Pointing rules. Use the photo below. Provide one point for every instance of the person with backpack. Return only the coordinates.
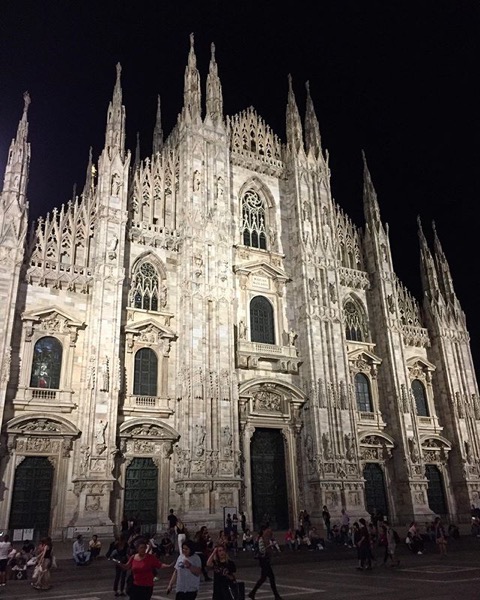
(261, 551)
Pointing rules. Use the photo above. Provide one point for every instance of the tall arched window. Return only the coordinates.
(420, 396)
(261, 321)
(362, 393)
(47, 364)
(145, 287)
(354, 323)
(145, 375)
(253, 220)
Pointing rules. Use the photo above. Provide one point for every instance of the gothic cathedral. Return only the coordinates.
(206, 329)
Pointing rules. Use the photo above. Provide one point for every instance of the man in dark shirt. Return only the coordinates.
(365, 553)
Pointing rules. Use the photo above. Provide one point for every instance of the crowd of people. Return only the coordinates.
(138, 555)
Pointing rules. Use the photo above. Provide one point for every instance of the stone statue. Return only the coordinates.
(292, 336)
(242, 330)
(116, 184)
(112, 248)
(105, 375)
(100, 436)
(85, 452)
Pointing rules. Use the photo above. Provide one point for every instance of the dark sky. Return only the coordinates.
(397, 78)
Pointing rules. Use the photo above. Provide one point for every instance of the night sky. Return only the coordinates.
(396, 78)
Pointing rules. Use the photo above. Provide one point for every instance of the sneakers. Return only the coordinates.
(251, 595)
(419, 552)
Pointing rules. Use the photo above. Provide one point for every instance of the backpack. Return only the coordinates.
(396, 537)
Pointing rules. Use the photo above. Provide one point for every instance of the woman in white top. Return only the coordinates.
(5, 549)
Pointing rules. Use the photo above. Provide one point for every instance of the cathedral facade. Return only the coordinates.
(206, 330)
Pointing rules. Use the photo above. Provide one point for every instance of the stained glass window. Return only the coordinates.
(145, 373)
(145, 287)
(418, 391)
(253, 220)
(261, 321)
(362, 393)
(47, 364)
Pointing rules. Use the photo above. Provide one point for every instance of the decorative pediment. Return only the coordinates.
(52, 317)
(40, 434)
(149, 331)
(435, 449)
(51, 320)
(262, 269)
(147, 437)
(375, 446)
(363, 360)
(419, 368)
(148, 428)
(38, 424)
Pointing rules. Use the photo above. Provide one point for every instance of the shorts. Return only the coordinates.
(3, 565)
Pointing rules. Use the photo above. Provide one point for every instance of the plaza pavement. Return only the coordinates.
(303, 575)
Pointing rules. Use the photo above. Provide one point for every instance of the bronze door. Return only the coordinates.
(269, 481)
(435, 490)
(141, 489)
(375, 496)
(32, 495)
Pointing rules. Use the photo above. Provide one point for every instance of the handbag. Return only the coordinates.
(37, 572)
(236, 590)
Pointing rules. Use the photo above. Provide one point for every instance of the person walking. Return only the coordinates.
(118, 553)
(262, 551)
(186, 574)
(440, 536)
(363, 544)
(181, 532)
(327, 520)
(41, 573)
(223, 573)
(5, 549)
(142, 566)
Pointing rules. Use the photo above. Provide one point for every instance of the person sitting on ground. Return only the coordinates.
(414, 540)
(316, 542)
(94, 545)
(80, 554)
(453, 531)
(28, 549)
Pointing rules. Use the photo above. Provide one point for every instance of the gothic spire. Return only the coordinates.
(191, 93)
(443, 268)
(15, 179)
(427, 266)
(137, 151)
(371, 209)
(294, 123)
(313, 140)
(89, 175)
(115, 131)
(214, 90)
(158, 131)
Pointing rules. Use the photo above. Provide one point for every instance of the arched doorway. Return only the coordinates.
(141, 491)
(32, 495)
(435, 490)
(269, 481)
(375, 493)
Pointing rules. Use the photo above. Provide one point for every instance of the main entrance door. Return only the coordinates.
(375, 496)
(435, 491)
(32, 495)
(269, 482)
(141, 489)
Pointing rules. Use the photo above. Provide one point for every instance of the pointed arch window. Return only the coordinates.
(47, 364)
(261, 321)
(253, 220)
(355, 327)
(145, 287)
(418, 390)
(362, 393)
(145, 377)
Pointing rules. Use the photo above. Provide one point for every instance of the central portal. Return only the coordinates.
(269, 481)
